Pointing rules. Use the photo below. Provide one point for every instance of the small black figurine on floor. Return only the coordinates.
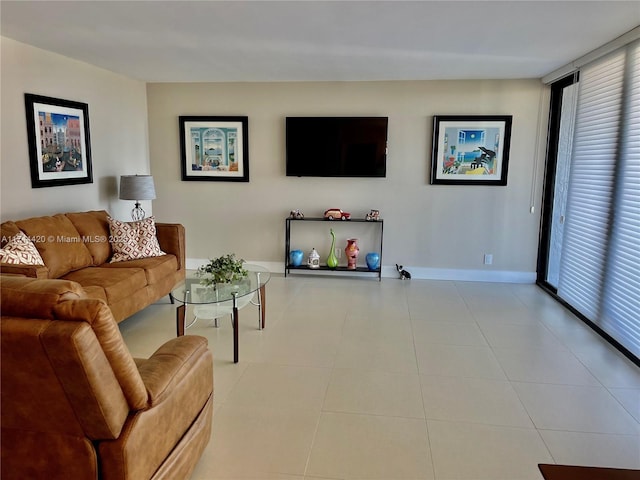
(403, 273)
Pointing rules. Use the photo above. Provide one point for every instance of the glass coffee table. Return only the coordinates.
(224, 298)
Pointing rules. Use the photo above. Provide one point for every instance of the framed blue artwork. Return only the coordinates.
(470, 149)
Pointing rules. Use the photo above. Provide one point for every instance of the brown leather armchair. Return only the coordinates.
(76, 404)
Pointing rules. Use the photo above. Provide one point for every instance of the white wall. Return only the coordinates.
(434, 230)
(118, 130)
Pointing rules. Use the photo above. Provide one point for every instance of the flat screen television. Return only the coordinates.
(336, 146)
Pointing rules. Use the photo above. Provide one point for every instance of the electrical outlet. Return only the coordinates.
(488, 258)
(338, 252)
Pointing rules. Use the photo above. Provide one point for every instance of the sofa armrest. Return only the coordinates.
(171, 237)
(170, 364)
(33, 271)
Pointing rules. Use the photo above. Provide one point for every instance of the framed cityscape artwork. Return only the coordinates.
(470, 149)
(59, 146)
(214, 148)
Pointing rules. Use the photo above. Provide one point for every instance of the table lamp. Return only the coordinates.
(137, 187)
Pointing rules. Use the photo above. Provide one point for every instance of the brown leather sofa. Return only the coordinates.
(77, 247)
(76, 405)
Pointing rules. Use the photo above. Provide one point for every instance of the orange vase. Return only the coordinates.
(352, 250)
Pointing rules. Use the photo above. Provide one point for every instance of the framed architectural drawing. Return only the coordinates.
(214, 148)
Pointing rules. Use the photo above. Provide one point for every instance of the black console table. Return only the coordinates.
(336, 225)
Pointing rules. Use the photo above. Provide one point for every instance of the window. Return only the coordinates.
(590, 248)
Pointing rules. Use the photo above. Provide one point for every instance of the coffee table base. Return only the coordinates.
(181, 312)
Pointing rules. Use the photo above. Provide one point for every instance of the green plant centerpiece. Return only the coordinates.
(224, 269)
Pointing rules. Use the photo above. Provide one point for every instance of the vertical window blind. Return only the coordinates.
(600, 270)
(621, 306)
(591, 183)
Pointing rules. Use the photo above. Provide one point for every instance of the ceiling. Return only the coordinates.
(243, 41)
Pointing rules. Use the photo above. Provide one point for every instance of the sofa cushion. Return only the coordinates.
(155, 268)
(58, 242)
(20, 251)
(95, 291)
(133, 240)
(94, 229)
(7, 231)
(118, 283)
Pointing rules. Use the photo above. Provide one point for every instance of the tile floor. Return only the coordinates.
(359, 379)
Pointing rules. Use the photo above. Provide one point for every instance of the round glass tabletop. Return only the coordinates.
(192, 292)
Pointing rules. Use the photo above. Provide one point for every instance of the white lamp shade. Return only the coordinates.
(137, 187)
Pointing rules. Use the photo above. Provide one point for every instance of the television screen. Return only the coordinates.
(336, 146)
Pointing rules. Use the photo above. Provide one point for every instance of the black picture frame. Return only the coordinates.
(470, 149)
(59, 141)
(214, 148)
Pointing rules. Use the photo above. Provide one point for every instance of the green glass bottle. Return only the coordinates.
(332, 260)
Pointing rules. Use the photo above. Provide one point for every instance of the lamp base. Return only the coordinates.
(138, 213)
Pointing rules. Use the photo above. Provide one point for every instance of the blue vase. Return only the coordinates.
(373, 260)
(295, 257)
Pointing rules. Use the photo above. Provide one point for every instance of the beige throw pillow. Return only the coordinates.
(20, 250)
(133, 240)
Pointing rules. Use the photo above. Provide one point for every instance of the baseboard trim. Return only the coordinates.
(495, 276)
(417, 273)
